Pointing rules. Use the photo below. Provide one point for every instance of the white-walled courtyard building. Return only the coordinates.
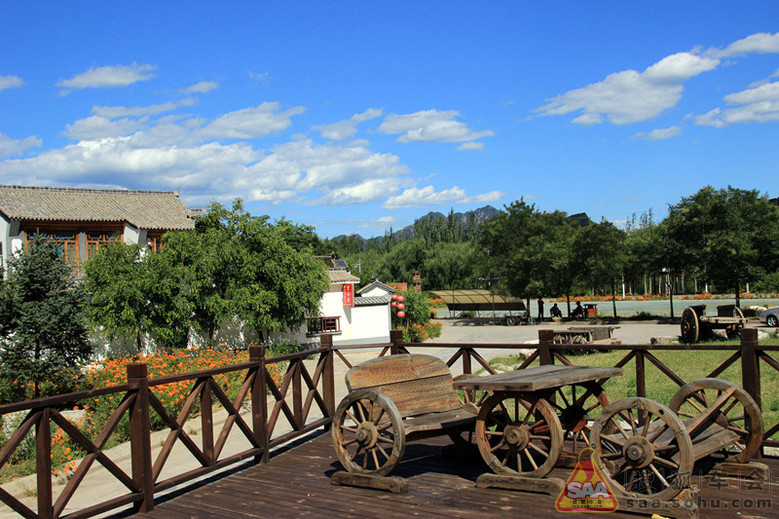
(81, 220)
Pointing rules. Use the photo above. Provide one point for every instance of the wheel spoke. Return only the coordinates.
(351, 416)
(660, 476)
(668, 463)
(530, 458)
(619, 427)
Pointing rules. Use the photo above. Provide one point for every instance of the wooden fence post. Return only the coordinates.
(328, 376)
(260, 403)
(396, 338)
(545, 339)
(640, 374)
(750, 364)
(43, 464)
(140, 435)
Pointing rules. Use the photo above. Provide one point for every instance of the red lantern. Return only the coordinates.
(401, 314)
(394, 303)
(394, 297)
(401, 306)
(401, 298)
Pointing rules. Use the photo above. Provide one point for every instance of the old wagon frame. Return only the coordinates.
(696, 324)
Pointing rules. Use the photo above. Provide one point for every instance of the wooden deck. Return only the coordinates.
(297, 484)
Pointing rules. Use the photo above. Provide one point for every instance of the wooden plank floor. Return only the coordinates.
(297, 484)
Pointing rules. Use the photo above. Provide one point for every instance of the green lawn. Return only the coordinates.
(689, 365)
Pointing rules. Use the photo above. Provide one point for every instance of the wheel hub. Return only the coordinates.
(517, 436)
(367, 435)
(638, 452)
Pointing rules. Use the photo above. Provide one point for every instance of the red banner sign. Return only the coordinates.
(348, 294)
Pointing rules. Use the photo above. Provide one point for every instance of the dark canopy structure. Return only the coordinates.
(478, 299)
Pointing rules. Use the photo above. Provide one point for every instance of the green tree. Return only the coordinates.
(600, 255)
(43, 329)
(504, 236)
(731, 235)
(275, 287)
(449, 265)
(119, 280)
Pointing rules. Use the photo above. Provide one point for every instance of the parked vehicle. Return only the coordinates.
(770, 317)
(519, 317)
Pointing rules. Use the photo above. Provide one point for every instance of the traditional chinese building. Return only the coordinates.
(80, 221)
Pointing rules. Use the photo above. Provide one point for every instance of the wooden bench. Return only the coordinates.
(393, 400)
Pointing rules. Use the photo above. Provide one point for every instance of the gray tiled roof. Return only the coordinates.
(143, 209)
(376, 284)
(371, 301)
(341, 276)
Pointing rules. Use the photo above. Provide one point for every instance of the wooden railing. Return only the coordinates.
(305, 398)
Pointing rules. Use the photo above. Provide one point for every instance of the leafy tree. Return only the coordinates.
(549, 255)
(118, 280)
(42, 322)
(600, 256)
(451, 265)
(731, 234)
(275, 287)
(399, 264)
(504, 236)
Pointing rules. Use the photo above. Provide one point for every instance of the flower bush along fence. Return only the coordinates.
(91, 415)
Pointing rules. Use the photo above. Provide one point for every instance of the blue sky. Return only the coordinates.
(361, 116)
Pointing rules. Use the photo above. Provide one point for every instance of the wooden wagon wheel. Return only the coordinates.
(691, 326)
(650, 455)
(576, 405)
(519, 436)
(367, 433)
(727, 405)
(733, 330)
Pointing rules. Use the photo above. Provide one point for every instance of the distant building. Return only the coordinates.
(80, 221)
(350, 316)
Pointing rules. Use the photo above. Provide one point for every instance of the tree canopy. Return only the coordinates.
(43, 329)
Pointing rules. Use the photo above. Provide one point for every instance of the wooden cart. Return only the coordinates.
(392, 400)
(643, 448)
(696, 324)
(522, 427)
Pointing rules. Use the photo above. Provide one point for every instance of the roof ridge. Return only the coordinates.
(90, 190)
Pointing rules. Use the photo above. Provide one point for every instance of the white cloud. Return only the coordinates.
(112, 112)
(252, 123)
(201, 87)
(758, 105)
(12, 147)
(10, 82)
(342, 174)
(425, 196)
(414, 197)
(484, 198)
(471, 146)
(97, 127)
(116, 121)
(108, 77)
(346, 129)
(430, 126)
(630, 96)
(659, 134)
(759, 43)
(261, 78)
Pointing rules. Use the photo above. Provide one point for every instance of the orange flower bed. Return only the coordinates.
(113, 372)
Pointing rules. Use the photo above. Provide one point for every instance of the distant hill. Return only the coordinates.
(480, 216)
